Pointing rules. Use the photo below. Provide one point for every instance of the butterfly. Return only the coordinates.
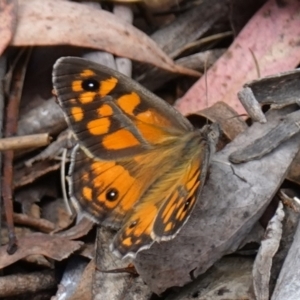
(139, 165)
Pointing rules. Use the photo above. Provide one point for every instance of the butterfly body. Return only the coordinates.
(139, 165)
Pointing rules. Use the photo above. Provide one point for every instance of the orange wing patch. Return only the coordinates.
(107, 86)
(106, 190)
(129, 102)
(77, 113)
(90, 87)
(87, 73)
(136, 233)
(99, 126)
(105, 111)
(87, 193)
(179, 204)
(151, 116)
(120, 139)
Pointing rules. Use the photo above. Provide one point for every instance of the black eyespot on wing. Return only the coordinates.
(90, 85)
(112, 194)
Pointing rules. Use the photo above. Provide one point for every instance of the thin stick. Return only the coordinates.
(8, 156)
(2, 74)
(26, 141)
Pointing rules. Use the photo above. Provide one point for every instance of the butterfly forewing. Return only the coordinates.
(112, 116)
(140, 165)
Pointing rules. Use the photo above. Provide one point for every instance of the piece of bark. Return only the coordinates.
(290, 224)
(284, 128)
(287, 286)
(251, 105)
(232, 201)
(189, 27)
(294, 172)
(174, 37)
(75, 271)
(229, 279)
(279, 90)
(263, 261)
(47, 117)
(22, 284)
(114, 285)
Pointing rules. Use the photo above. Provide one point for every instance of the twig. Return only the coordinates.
(42, 225)
(26, 141)
(2, 74)
(10, 130)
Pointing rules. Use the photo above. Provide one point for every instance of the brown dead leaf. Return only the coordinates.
(28, 175)
(61, 22)
(275, 48)
(8, 17)
(82, 228)
(37, 243)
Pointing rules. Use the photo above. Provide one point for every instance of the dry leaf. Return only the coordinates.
(8, 17)
(275, 48)
(68, 23)
(38, 243)
(263, 261)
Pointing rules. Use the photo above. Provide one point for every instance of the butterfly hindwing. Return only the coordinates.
(177, 207)
(166, 205)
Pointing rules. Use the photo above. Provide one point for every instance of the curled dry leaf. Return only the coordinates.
(61, 22)
(28, 175)
(81, 229)
(37, 243)
(275, 49)
(8, 17)
(263, 261)
(287, 285)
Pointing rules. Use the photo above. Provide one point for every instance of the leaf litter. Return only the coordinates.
(64, 28)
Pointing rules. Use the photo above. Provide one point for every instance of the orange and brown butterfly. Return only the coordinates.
(139, 165)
